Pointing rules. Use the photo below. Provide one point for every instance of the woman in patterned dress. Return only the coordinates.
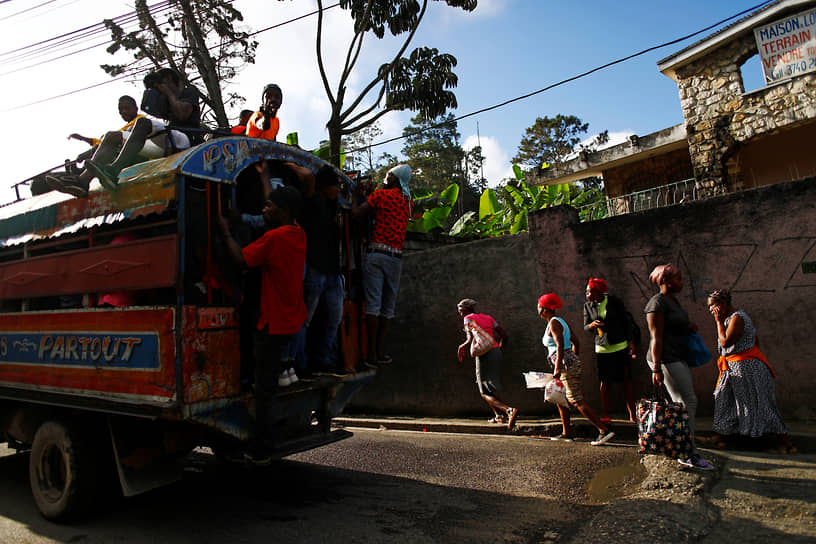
(745, 396)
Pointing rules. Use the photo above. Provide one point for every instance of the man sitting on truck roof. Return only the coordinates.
(281, 252)
(148, 137)
(77, 185)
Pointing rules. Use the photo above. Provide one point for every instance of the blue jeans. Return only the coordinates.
(381, 278)
(328, 289)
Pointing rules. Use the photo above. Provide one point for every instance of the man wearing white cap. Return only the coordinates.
(391, 207)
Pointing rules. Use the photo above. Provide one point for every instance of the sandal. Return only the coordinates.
(511, 418)
(497, 419)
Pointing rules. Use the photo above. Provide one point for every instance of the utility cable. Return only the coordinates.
(96, 28)
(138, 71)
(32, 8)
(570, 79)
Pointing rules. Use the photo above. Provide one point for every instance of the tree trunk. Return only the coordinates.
(206, 66)
(335, 139)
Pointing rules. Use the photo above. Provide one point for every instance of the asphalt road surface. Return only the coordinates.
(378, 486)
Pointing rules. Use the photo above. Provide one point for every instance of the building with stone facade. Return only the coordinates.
(732, 138)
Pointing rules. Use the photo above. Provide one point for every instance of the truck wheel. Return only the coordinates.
(61, 471)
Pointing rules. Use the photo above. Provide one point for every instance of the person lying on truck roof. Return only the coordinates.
(148, 138)
(77, 185)
(281, 254)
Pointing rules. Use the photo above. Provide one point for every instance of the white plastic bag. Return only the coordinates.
(556, 393)
(537, 380)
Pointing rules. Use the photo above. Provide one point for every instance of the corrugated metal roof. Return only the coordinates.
(148, 187)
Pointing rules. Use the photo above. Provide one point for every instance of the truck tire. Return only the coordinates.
(61, 471)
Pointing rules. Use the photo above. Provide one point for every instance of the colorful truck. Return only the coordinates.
(117, 396)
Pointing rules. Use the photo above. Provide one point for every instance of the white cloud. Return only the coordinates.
(497, 165)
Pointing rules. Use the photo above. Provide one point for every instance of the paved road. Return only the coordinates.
(378, 486)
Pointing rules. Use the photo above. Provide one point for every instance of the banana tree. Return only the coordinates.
(435, 210)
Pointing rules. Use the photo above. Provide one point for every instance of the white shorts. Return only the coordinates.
(154, 145)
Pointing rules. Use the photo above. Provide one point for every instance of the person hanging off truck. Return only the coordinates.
(281, 254)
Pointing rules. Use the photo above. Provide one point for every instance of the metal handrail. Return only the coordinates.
(686, 190)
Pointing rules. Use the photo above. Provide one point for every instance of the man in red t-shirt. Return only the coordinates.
(281, 252)
(391, 207)
(243, 119)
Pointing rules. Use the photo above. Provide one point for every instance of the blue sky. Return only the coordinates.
(505, 48)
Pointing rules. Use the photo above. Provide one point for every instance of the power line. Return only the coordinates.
(32, 8)
(139, 71)
(47, 50)
(83, 29)
(570, 79)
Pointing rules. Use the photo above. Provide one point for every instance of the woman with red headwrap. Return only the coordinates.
(562, 350)
(605, 316)
(669, 327)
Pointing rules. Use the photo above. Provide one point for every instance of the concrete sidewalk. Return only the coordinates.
(803, 434)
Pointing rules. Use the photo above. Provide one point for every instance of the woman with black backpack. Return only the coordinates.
(613, 329)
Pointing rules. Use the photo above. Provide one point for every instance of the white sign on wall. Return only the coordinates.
(787, 47)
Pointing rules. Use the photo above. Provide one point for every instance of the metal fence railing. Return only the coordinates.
(656, 197)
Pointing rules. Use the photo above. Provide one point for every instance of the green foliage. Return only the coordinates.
(550, 140)
(419, 81)
(435, 217)
(488, 204)
(505, 210)
(433, 152)
(199, 39)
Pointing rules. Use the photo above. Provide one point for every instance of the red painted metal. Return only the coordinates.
(211, 358)
(141, 264)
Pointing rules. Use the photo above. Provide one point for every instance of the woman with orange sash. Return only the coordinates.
(745, 396)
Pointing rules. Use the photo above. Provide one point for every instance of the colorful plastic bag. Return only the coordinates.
(663, 428)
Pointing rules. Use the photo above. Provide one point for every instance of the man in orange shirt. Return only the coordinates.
(264, 123)
(281, 252)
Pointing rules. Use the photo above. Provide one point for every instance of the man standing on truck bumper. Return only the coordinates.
(281, 252)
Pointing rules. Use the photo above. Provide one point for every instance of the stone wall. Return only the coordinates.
(720, 117)
(753, 242)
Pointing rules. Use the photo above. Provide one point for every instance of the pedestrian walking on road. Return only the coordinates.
(669, 327)
(562, 352)
(489, 363)
(606, 318)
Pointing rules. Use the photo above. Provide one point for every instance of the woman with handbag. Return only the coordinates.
(484, 340)
(669, 327)
(562, 350)
(745, 396)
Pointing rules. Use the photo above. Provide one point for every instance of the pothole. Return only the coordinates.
(618, 481)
